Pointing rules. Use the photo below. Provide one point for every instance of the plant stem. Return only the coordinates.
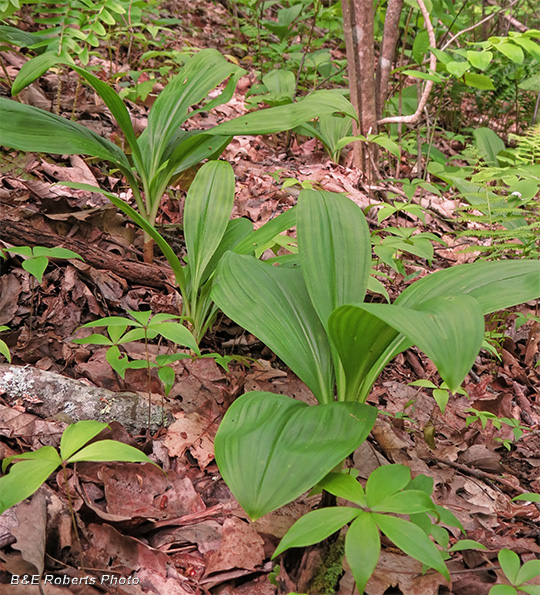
(72, 512)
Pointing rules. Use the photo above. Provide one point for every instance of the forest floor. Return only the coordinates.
(184, 533)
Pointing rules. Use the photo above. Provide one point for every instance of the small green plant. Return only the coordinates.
(389, 490)
(36, 260)
(399, 240)
(517, 575)
(143, 326)
(4, 349)
(484, 416)
(441, 393)
(30, 470)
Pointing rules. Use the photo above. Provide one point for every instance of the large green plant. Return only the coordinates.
(209, 234)
(164, 149)
(314, 317)
(271, 448)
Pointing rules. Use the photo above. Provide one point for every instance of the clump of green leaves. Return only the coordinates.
(517, 575)
(497, 422)
(36, 259)
(30, 470)
(389, 490)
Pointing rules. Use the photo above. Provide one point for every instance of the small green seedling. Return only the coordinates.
(36, 259)
(145, 326)
(4, 349)
(30, 470)
(389, 490)
(518, 576)
(397, 207)
(484, 416)
(441, 394)
(522, 319)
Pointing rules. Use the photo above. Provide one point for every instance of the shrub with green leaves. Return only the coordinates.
(31, 469)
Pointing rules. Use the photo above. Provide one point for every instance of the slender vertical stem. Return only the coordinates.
(73, 520)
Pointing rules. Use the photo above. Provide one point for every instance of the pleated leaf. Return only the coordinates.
(273, 304)
(28, 128)
(495, 285)
(207, 211)
(334, 248)
(200, 74)
(286, 117)
(271, 448)
(449, 330)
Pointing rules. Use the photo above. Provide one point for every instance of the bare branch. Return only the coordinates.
(429, 84)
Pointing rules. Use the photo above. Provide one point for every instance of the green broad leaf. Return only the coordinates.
(56, 252)
(386, 481)
(528, 571)
(328, 226)
(265, 437)
(359, 338)
(237, 231)
(405, 502)
(110, 451)
(22, 250)
(480, 60)
(207, 211)
(530, 589)
(448, 330)
(386, 143)
(142, 317)
(362, 548)
(169, 358)
(502, 590)
(200, 74)
(164, 246)
(286, 117)
(441, 398)
(110, 321)
(479, 81)
(285, 319)
(94, 339)
(27, 128)
(529, 497)
(77, 435)
(458, 69)
(4, 350)
(422, 75)
(177, 333)
(489, 144)
(45, 453)
(316, 526)
(267, 232)
(24, 479)
(35, 67)
(36, 266)
(510, 50)
(345, 486)
(116, 106)
(510, 564)
(413, 541)
(167, 376)
(496, 285)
